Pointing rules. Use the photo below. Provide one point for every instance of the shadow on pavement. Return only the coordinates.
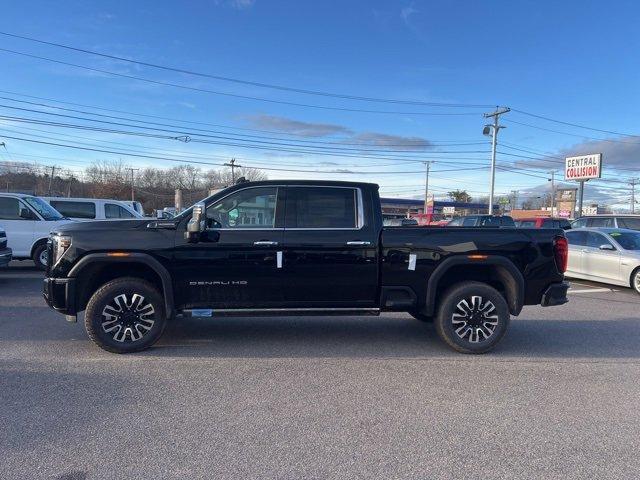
(386, 337)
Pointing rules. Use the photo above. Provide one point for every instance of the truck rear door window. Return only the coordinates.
(321, 207)
(75, 209)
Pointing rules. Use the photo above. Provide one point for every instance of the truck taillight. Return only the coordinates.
(561, 252)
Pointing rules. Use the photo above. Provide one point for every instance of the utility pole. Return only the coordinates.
(553, 190)
(580, 197)
(132, 170)
(493, 129)
(233, 166)
(633, 182)
(426, 186)
(53, 172)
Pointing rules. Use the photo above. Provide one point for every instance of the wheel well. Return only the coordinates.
(495, 276)
(37, 244)
(633, 274)
(94, 275)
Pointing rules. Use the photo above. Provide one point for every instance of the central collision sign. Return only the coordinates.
(583, 167)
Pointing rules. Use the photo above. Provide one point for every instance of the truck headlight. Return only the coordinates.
(60, 244)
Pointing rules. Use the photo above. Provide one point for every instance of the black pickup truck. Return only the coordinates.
(298, 248)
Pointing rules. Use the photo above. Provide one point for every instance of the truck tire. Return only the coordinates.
(125, 315)
(40, 256)
(472, 317)
(422, 317)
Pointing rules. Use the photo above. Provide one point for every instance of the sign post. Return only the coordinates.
(581, 169)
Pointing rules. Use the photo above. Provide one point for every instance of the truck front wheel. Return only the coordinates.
(125, 315)
(472, 317)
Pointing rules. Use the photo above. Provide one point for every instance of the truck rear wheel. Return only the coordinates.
(125, 315)
(472, 317)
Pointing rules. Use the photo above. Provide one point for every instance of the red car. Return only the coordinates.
(543, 222)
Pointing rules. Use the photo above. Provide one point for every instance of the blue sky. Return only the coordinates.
(571, 61)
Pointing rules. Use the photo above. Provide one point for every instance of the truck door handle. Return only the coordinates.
(265, 242)
(358, 242)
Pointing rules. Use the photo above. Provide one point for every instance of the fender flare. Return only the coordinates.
(515, 302)
(133, 257)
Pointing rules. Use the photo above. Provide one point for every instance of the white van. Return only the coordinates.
(28, 220)
(92, 208)
(137, 206)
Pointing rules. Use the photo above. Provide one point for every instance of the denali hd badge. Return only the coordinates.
(208, 283)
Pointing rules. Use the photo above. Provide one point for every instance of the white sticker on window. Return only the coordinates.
(412, 261)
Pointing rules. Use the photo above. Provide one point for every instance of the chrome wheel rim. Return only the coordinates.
(636, 282)
(474, 319)
(43, 257)
(128, 318)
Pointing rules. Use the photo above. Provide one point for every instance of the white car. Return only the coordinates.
(607, 255)
(28, 220)
(84, 209)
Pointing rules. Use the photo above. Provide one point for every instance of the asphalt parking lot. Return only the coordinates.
(316, 397)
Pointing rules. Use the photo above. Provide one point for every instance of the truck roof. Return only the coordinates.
(322, 183)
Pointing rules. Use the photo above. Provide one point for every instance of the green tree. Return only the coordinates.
(459, 196)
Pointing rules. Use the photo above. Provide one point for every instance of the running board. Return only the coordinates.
(252, 312)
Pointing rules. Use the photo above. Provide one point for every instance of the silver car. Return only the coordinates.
(607, 255)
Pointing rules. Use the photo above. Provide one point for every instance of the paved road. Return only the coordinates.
(342, 398)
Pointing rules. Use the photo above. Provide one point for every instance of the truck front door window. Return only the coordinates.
(249, 208)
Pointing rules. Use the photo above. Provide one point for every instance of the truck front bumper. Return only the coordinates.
(5, 257)
(555, 294)
(59, 293)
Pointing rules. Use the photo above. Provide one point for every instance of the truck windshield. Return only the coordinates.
(45, 210)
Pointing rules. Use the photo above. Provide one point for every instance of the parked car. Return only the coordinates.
(28, 220)
(84, 209)
(607, 255)
(482, 221)
(322, 251)
(543, 222)
(5, 252)
(608, 221)
(400, 222)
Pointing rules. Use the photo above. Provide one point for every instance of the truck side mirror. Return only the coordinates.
(197, 223)
(606, 246)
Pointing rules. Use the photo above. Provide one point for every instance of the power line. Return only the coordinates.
(227, 94)
(174, 119)
(570, 134)
(155, 157)
(185, 136)
(419, 143)
(574, 124)
(246, 82)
